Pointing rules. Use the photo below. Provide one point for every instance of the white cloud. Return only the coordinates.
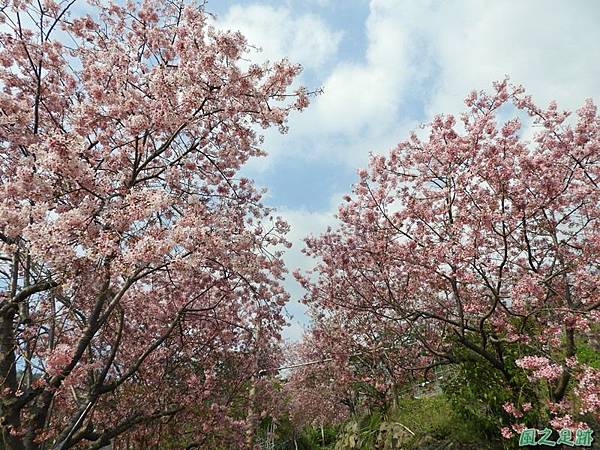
(303, 223)
(367, 94)
(455, 47)
(304, 39)
(355, 97)
(545, 45)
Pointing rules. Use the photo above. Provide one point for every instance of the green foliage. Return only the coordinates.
(360, 434)
(434, 416)
(411, 424)
(477, 395)
(587, 354)
(324, 438)
(392, 435)
(373, 431)
(477, 392)
(287, 437)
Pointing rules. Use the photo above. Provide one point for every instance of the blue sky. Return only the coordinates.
(388, 65)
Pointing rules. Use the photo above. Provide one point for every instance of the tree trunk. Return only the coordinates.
(9, 415)
(251, 415)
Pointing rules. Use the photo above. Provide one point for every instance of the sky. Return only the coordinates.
(387, 66)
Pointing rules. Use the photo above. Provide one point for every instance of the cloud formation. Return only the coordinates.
(280, 33)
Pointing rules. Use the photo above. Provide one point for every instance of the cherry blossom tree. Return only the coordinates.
(318, 388)
(347, 364)
(474, 244)
(140, 272)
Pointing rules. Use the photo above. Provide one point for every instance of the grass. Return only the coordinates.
(433, 418)
(423, 423)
